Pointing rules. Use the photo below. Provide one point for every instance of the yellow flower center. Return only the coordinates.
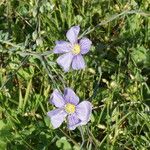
(76, 49)
(70, 108)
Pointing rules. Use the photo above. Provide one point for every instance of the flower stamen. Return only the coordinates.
(76, 49)
(70, 108)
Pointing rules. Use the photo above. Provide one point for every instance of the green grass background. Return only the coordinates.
(116, 80)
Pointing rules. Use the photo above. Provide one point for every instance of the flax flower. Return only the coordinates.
(73, 50)
(68, 106)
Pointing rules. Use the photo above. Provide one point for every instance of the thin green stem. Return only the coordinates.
(82, 136)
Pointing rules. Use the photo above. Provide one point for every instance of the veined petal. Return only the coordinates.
(78, 62)
(85, 45)
(57, 116)
(72, 34)
(57, 99)
(65, 61)
(73, 121)
(62, 47)
(70, 96)
(83, 111)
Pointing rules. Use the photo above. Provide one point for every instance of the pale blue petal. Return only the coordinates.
(70, 96)
(62, 47)
(65, 61)
(85, 45)
(57, 99)
(78, 62)
(73, 121)
(57, 116)
(72, 34)
(83, 111)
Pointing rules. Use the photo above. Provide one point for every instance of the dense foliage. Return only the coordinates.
(116, 80)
